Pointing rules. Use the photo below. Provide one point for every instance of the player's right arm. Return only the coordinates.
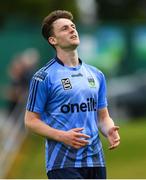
(73, 137)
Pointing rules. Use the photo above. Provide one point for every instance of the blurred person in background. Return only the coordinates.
(67, 105)
(21, 70)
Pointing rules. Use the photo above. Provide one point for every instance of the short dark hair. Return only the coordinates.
(47, 28)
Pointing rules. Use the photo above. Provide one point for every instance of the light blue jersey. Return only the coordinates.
(67, 98)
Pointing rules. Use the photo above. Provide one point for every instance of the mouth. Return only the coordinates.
(74, 37)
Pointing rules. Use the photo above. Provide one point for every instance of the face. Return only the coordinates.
(65, 35)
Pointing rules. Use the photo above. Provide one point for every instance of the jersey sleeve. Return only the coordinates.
(102, 95)
(38, 93)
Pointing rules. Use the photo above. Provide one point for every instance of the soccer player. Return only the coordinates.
(67, 105)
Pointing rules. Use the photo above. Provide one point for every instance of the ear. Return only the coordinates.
(52, 40)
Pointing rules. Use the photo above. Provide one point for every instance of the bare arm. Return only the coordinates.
(71, 137)
(108, 129)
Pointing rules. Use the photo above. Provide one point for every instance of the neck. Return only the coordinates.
(69, 58)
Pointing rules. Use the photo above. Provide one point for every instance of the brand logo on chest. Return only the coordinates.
(66, 83)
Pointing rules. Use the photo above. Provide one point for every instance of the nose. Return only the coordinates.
(72, 30)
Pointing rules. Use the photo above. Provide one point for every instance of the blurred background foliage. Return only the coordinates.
(33, 10)
(122, 10)
(113, 38)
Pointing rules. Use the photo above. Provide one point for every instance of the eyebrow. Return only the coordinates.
(67, 25)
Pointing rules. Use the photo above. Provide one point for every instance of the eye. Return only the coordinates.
(73, 26)
(64, 28)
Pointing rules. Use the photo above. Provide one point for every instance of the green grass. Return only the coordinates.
(126, 162)
(129, 160)
(30, 162)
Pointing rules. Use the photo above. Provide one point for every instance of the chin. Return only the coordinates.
(76, 43)
(73, 47)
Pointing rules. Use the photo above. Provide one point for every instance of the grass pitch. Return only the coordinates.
(126, 162)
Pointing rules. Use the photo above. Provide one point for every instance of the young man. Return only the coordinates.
(67, 103)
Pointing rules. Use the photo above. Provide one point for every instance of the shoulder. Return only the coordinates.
(95, 70)
(50, 65)
(43, 73)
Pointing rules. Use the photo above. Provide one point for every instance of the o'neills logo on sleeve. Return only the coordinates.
(66, 83)
(89, 105)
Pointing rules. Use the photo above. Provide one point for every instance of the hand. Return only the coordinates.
(113, 137)
(74, 138)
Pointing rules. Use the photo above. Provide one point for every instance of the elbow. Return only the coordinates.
(27, 122)
(30, 120)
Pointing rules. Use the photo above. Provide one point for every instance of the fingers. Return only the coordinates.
(117, 140)
(113, 137)
(113, 146)
(114, 143)
(77, 129)
(80, 143)
(113, 129)
(78, 139)
(116, 128)
(80, 135)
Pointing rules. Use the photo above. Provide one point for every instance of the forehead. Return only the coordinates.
(62, 22)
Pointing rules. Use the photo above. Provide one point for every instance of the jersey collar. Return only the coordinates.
(60, 62)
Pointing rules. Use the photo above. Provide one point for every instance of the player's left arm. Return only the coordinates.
(108, 128)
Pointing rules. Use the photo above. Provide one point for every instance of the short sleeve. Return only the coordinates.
(38, 93)
(102, 95)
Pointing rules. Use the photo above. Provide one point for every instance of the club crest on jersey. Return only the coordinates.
(66, 83)
(91, 82)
